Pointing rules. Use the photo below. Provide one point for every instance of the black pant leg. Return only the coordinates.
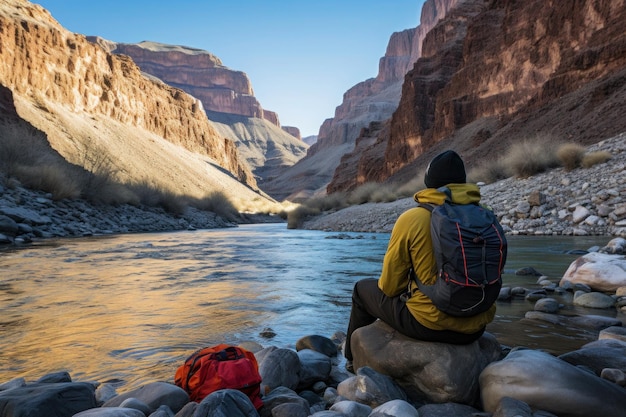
(370, 303)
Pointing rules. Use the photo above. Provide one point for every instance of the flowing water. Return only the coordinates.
(132, 307)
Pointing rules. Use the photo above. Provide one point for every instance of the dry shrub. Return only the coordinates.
(218, 203)
(593, 158)
(371, 192)
(408, 189)
(490, 172)
(328, 202)
(172, 203)
(570, 155)
(297, 216)
(532, 156)
(153, 195)
(24, 146)
(314, 206)
(52, 179)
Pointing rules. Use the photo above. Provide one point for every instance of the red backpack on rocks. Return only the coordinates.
(220, 367)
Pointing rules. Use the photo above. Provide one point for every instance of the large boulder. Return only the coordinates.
(57, 399)
(600, 271)
(434, 372)
(534, 377)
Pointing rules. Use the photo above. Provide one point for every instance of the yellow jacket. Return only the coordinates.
(410, 245)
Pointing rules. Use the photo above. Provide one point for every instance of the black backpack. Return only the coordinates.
(470, 250)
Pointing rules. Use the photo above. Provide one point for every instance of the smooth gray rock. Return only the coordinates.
(154, 395)
(314, 367)
(594, 300)
(162, 411)
(371, 388)
(55, 377)
(226, 403)
(352, 408)
(510, 407)
(280, 368)
(290, 410)
(59, 400)
(434, 372)
(136, 404)
(395, 408)
(111, 412)
(547, 305)
(283, 395)
(317, 343)
(447, 410)
(533, 377)
(593, 322)
(613, 332)
(598, 355)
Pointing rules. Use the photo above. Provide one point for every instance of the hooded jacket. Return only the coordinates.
(409, 246)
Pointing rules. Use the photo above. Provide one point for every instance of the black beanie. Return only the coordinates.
(445, 168)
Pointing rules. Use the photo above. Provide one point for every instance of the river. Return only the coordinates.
(131, 308)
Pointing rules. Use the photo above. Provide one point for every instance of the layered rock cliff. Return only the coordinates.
(196, 71)
(372, 100)
(494, 73)
(79, 95)
(228, 98)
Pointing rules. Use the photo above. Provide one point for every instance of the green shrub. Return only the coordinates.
(570, 155)
(593, 158)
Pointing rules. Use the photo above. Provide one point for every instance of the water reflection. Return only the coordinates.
(133, 307)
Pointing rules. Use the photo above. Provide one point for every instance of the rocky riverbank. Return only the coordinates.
(583, 201)
(27, 215)
(396, 377)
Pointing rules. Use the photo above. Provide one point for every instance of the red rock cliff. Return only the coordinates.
(501, 71)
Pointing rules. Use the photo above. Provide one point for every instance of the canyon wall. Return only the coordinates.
(78, 94)
(197, 72)
(228, 99)
(372, 100)
(496, 73)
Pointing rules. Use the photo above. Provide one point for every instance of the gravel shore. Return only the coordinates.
(583, 201)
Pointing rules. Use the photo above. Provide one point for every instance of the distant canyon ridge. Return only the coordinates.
(480, 76)
(474, 75)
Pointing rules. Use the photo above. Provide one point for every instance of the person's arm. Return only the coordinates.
(394, 277)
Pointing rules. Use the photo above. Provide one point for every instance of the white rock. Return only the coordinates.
(599, 271)
(580, 214)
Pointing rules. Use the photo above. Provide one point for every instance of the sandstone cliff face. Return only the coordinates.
(369, 101)
(197, 72)
(227, 97)
(519, 69)
(77, 94)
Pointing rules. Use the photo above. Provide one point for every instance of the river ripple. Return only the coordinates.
(132, 307)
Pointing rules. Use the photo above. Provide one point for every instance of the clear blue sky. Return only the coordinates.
(300, 56)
